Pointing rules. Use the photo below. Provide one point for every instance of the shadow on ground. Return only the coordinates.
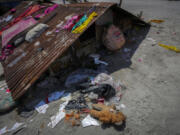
(122, 59)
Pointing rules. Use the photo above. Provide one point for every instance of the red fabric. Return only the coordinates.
(6, 51)
(8, 91)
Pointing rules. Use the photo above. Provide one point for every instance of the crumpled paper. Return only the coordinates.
(14, 127)
(41, 107)
(59, 116)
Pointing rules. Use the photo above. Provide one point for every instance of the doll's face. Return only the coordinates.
(116, 33)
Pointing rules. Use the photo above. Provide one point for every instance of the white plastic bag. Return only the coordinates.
(89, 121)
(104, 78)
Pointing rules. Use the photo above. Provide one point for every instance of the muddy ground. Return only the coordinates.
(151, 75)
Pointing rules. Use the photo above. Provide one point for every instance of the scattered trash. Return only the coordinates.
(41, 107)
(103, 90)
(156, 21)
(80, 22)
(57, 31)
(59, 25)
(55, 96)
(73, 117)
(49, 33)
(79, 76)
(115, 100)
(15, 126)
(8, 91)
(151, 39)
(101, 101)
(18, 41)
(113, 38)
(22, 17)
(17, 28)
(50, 9)
(8, 18)
(3, 130)
(140, 60)
(92, 96)
(36, 32)
(120, 107)
(6, 101)
(17, 58)
(67, 97)
(127, 50)
(104, 78)
(170, 47)
(89, 121)
(37, 43)
(71, 22)
(78, 104)
(89, 85)
(6, 51)
(13, 10)
(26, 113)
(58, 117)
(31, 120)
(85, 23)
(96, 58)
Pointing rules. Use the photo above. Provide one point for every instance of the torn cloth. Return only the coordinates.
(71, 22)
(47, 11)
(17, 28)
(6, 51)
(59, 116)
(80, 22)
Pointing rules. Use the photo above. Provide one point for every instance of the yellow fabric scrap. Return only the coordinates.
(156, 21)
(170, 47)
(85, 24)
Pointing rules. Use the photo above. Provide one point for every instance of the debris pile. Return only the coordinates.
(86, 94)
(92, 97)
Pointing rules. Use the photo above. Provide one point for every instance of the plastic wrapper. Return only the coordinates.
(89, 121)
(104, 78)
(170, 47)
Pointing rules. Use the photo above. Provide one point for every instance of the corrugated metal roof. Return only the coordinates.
(26, 64)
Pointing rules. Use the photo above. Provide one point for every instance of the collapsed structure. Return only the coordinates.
(30, 59)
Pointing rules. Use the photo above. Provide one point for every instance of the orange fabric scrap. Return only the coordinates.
(156, 21)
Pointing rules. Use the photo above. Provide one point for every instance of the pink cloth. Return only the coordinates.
(50, 9)
(13, 10)
(20, 26)
(71, 22)
(47, 11)
(6, 51)
(28, 12)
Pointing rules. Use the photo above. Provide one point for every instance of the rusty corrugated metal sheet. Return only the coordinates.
(26, 64)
